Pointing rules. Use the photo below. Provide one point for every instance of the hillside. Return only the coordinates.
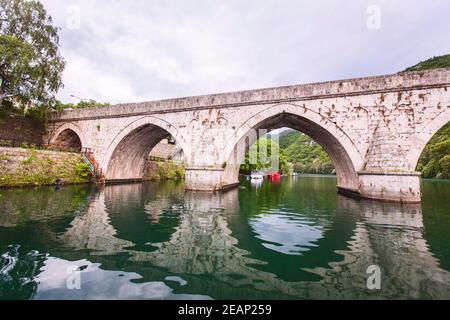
(435, 159)
(433, 63)
(306, 155)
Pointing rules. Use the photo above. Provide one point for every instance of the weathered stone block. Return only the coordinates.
(395, 187)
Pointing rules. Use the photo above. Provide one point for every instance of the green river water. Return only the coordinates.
(296, 239)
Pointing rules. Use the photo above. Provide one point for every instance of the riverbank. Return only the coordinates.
(21, 167)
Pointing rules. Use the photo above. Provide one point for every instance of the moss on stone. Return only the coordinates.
(165, 171)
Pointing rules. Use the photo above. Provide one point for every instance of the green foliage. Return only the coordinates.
(30, 64)
(435, 159)
(261, 153)
(82, 170)
(31, 158)
(165, 170)
(5, 143)
(306, 155)
(26, 145)
(41, 168)
(433, 63)
(84, 104)
(169, 171)
(288, 168)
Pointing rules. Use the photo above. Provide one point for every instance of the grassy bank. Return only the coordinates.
(31, 167)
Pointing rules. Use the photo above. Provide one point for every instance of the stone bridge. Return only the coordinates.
(373, 128)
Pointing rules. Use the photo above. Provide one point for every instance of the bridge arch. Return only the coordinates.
(425, 135)
(127, 153)
(68, 136)
(346, 157)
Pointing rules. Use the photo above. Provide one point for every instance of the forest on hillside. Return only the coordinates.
(305, 155)
(435, 159)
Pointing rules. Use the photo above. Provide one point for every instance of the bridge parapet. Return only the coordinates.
(313, 91)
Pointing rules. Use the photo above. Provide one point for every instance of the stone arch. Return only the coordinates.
(345, 155)
(68, 136)
(424, 136)
(126, 155)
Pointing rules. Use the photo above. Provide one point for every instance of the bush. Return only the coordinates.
(169, 170)
(82, 170)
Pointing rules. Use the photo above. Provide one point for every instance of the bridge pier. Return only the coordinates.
(390, 186)
(403, 187)
(206, 179)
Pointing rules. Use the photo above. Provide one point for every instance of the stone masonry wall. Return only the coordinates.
(163, 150)
(21, 129)
(22, 167)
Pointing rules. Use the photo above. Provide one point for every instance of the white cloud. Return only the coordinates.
(92, 82)
(144, 50)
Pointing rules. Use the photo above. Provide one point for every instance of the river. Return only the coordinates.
(296, 239)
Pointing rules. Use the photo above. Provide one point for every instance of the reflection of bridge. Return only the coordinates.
(203, 244)
(390, 236)
(374, 130)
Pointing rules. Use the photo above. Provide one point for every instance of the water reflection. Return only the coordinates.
(296, 239)
(97, 283)
(256, 183)
(92, 229)
(285, 235)
(390, 236)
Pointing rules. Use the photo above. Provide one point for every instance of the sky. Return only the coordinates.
(120, 51)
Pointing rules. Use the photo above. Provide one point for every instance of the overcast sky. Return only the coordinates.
(130, 51)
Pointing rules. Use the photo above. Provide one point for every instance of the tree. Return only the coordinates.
(435, 159)
(306, 155)
(261, 153)
(30, 64)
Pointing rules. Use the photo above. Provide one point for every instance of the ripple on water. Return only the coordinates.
(285, 232)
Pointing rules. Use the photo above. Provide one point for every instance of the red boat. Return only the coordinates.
(274, 177)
